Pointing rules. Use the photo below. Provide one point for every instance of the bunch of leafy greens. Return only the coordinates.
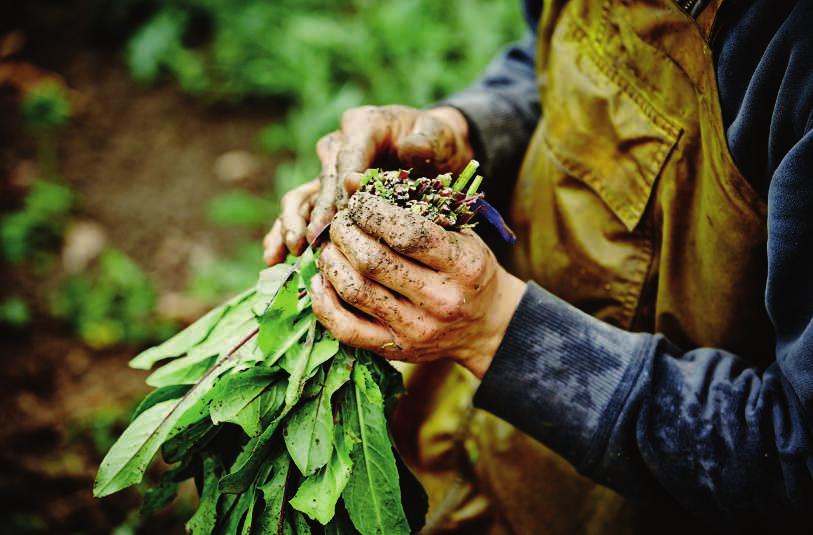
(284, 428)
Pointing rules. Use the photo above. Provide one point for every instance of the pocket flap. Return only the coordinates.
(603, 130)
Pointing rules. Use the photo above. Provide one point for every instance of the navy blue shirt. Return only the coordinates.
(724, 439)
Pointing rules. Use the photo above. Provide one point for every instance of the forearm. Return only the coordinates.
(636, 413)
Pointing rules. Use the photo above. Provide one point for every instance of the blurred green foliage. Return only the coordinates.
(210, 281)
(240, 209)
(45, 106)
(38, 225)
(111, 303)
(14, 311)
(321, 56)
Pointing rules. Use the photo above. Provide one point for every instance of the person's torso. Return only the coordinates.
(629, 204)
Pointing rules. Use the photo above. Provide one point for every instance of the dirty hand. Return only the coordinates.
(435, 140)
(425, 293)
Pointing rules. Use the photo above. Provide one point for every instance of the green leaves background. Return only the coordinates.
(283, 426)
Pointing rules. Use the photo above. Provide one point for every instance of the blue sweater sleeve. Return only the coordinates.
(726, 440)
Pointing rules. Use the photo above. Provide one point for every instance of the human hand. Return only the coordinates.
(430, 141)
(426, 293)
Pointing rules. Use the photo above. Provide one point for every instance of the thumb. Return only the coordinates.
(429, 146)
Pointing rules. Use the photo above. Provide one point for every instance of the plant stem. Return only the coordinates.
(466, 175)
(475, 185)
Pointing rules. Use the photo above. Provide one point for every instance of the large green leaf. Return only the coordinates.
(292, 336)
(271, 279)
(295, 362)
(189, 337)
(182, 371)
(372, 495)
(205, 518)
(159, 395)
(275, 321)
(318, 493)
(271, 519)
(125, 463)
(248, 462)
(308, 432)
(234, 397)
(326, 347)
(194, 437)
(253, 455)
(233, 327)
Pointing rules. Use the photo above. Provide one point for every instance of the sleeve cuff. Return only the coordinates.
(562, 376)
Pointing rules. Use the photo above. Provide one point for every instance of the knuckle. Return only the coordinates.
(474, 267)
(355, 292)
(289, 197)
(326, 141)
(369, 260)
(450, 304)
(414, 236)
(353, 115)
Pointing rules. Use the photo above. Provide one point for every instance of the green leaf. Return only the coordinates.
(372, 496)
(295, 363)
(192, 438)
(275, 322)
(340, 524)
(271, 279)
(159, 497)
(307, 267)
(125, 463)
(239, 518)
(271, 519)
(325, 348)
(157, 396)
(389, 380)
(238, 323)
(189, 337)
(300, 525)
(205, 518)
(182, 371)
(248, 462)
(318, 493)
(291, 336)
(235, 398)
(252, 457)
(308, 432)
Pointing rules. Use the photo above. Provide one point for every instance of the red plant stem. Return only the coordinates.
(248, 337)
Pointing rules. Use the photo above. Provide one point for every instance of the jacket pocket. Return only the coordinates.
(603, 131)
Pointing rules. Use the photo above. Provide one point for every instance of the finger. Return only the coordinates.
(376, 261)
(408, 233)
(365, 131)
(274, 245)
(348, 328)
(429, 146)
(293, 218)
(364, 294)
(325, 204)
(352, 183)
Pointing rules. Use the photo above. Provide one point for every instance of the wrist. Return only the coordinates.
(508, 294)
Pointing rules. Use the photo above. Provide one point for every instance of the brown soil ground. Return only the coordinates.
(140, 161)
